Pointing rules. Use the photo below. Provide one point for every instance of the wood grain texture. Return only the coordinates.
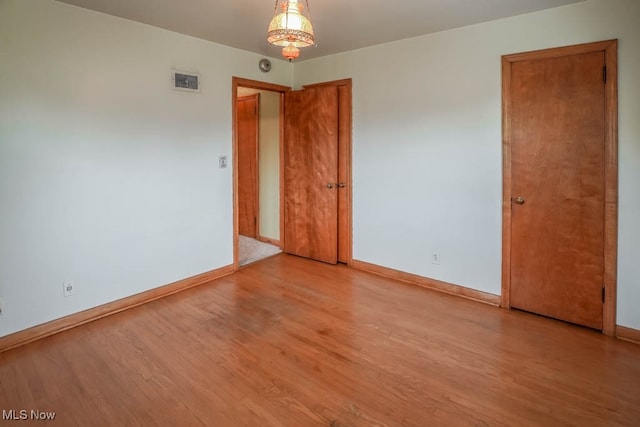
(344, 173)
(578, 49)
(505, 297)
(274, 242)
(557, 161)
(426, 282)
(344, 166)
(248, 187)
(281, 172)
(611, 188)
(609, 232)
(68, 322)
(255, 84)
(310, 167)
(292, 342)
(341, 82)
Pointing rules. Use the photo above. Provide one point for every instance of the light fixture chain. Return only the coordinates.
(308, 10)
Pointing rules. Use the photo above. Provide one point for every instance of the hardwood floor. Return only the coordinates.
(292, 342)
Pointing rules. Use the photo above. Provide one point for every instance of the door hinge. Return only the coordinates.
(604, 74)
(603, 294)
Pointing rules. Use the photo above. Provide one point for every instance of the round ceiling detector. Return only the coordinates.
(265, 65)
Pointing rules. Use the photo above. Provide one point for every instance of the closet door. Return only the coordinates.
(311, 173)
(557, 118)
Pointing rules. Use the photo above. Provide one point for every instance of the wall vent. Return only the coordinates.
(186, 81)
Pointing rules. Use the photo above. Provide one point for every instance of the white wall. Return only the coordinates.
(270, 165)
(427, 142)
(269, 161)
(109, 178)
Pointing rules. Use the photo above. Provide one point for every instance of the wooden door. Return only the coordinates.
(247, 118)
(557, 136)
(311, 173)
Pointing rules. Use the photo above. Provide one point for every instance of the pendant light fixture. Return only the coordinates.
(291, 28)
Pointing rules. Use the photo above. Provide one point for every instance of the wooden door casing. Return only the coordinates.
(557, 245)
(311, 173)
(248, 125)
(236, 83)
(344, 176)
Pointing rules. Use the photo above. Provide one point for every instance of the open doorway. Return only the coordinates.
(257, 109)
(313, 218)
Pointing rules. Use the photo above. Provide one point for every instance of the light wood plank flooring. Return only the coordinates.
(292, 342)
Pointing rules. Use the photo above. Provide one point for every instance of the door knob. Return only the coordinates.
(520, 200)
(336, 185)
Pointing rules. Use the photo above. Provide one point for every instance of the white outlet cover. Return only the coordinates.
(68, 289)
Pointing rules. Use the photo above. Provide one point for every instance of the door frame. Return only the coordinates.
(610, 49)
(237, 82)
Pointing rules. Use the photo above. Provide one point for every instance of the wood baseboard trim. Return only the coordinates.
(628, 334)
(271, 241)
(44, 330)
(428, 283)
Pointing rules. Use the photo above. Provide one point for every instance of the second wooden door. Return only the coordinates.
(311, 173)
(247, 118)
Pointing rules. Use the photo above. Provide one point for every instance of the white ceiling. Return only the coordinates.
(339, 25)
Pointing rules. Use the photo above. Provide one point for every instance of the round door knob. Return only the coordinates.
(329, 185)
(520, 200)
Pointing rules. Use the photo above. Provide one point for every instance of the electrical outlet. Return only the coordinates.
(68, 289)
(435, 258)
